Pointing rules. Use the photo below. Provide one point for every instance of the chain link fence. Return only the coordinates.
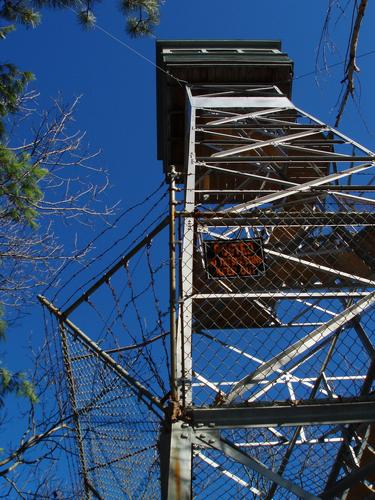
(276, 295)
(115, 349)
(116, 431)
(280, 299)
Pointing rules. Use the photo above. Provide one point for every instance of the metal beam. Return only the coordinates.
(276, 294)
(324, 158)
(246, 116)
(141, 392)
(249, 174)
(349, 481)
(180, 463)
(227, 473)
(361, 199)
(237, 102)
(298, 430)
(275, 141)
(336, 132)
(302, 345)
(319, 267)
(184, 326)
(306, 186)
(241, 352)
(290, 219)
(231, 450)
(172, 286)
(340, 457)
(283, 414)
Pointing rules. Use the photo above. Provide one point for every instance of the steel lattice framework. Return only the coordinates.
(291, 347)
(266, 386)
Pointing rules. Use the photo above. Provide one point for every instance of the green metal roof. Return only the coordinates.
(219, 51)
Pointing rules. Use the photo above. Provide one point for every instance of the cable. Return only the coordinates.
(179, 80)
(365, 54)
(132, 49)
(121, 42)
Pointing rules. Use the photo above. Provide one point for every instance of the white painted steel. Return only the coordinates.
(301, 346)
(244, 116)
(313, 265)
(276, 141)
(241, 102)
(299, 188)
(226, 473)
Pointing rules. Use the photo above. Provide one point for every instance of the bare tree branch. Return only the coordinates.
(31, 462)
(17, 456)
(72, 193)
(351, 64)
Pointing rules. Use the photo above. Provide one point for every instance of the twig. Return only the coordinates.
(30, 443)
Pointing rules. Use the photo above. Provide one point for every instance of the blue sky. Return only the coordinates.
(118, 107)
(118, 87)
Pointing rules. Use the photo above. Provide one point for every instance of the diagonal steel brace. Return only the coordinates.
(301, 346)
(135, 385)
(232, 451)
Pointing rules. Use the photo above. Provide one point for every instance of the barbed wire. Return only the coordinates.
(111, 226)
(119, 240)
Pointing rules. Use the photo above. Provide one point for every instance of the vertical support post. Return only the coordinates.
(172, 284)
(175, 440)
(180, 463)
(184, 342)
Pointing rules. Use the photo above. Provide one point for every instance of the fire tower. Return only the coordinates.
(241, 363)
(272, 283)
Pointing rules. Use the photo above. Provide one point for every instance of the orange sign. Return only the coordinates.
(235, 258)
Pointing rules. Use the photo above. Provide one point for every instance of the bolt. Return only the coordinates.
(184, 436)
(211, 441)
(199, 424)
(212, 424)
(202, 436)
(184, 425)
